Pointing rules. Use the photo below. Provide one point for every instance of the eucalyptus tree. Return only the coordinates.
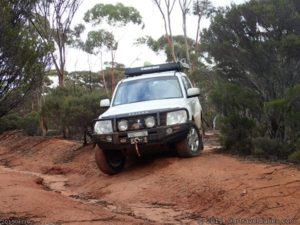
(115, 16)
(201, 9)
(255, 47)
(52, 20)
(166, 9)
(23, 56)
(185, 10)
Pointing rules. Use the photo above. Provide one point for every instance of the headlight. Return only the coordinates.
(176, 117)
(103, 127)
(150, 121)
(123, 125)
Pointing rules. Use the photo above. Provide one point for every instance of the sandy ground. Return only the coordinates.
(54, 181)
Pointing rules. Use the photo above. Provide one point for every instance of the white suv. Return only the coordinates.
(153, 106)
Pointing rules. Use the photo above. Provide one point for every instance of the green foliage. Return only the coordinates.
(275, 111)
(243, 126)
(270, 148)
(115, 15)
(254, 50)
(257, 45)
(9, 122)
(96, 40)
(236, 134)
(202, 8)
(239, 107)
(292, 114)
(161, 45)
(232, 99)
(87, 80)
(29, 123)
(73, 109)
(23, 55)
(52, 20)
(295, 157)
(284, 115)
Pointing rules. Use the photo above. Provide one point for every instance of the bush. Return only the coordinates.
(295, 157)
(73, 110)
(236, 134)
(270, 148)
(239, 107)
(251, 125)
(29, 123)
(9, 122)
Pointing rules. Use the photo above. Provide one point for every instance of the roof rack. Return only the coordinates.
(136, 71)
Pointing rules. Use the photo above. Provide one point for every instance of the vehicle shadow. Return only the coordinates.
(149, 160)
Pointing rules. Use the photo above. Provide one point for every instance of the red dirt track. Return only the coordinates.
(55, 181)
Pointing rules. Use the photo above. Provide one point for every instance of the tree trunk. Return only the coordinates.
(43, 126)
(103, 76)
(197, 41)
(171, 34)
(113, 81)
(61, 79)
(187, 49)
(185, 5)
(65, 131)
(169, 40)
(167, 26)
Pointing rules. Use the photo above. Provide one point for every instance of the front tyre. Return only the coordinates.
(191, 145)
(110, 162)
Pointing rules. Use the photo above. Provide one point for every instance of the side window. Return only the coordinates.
(186, 83)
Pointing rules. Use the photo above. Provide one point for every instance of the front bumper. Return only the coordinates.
(156, 136)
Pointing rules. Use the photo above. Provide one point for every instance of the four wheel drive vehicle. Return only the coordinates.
(153, 106)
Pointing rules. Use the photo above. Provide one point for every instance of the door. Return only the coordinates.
(194, 102)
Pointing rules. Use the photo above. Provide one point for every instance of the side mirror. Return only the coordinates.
(193, 92)
(104, 103)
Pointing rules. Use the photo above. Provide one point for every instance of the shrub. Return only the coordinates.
(295, 157)
(9, 122)
(71, 109)
(29, 123)
(236, 134)
(270, 148)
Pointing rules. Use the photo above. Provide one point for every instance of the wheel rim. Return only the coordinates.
(193, 140)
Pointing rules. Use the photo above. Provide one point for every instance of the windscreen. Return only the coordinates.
(147, 89)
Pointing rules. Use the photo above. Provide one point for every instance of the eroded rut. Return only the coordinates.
(149, 212)
(54, 181)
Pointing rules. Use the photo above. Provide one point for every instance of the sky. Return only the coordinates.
(128, 53)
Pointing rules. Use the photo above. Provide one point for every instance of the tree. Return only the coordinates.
(71, 110)
(201, 8)
(114, 15)
(52, 20)
(94, 43)
(255, 47)
(161, 45)
(83, 80)
(166, 15)
(185, 9)
(23, 56)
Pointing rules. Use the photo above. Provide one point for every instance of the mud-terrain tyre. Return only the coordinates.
(109, 162)
(191, 145)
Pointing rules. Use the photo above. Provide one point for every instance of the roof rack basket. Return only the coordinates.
(136, 71)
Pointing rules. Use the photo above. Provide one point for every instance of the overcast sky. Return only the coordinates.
(128, 53)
